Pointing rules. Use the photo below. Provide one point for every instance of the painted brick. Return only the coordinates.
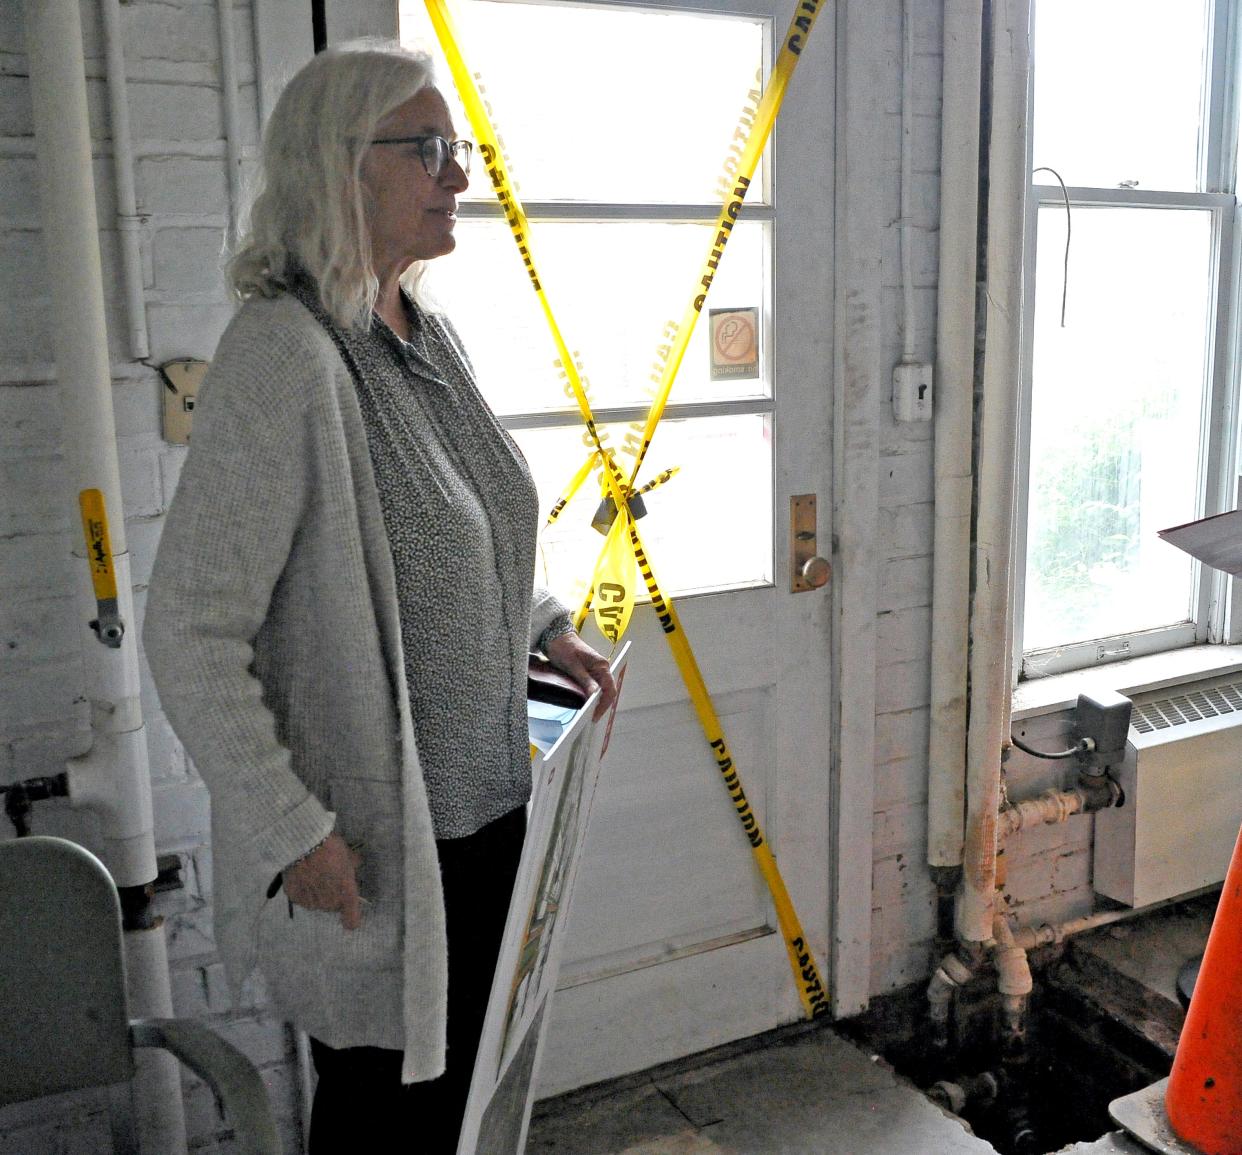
(900, 735)
(904, 685)
(215, 983)
(172, 459)
(190, 935)
(174, 112)
(903, 636)
(35, 563)
(906, 531)
(1054, 908)
(924, 136)
(38, 697)
(142, 536)
(164, 752)
(907, 478)
(38, 631)
(179, 31)
(135, 406)
(901, 830)
(188, 261)
(186, 331)
(182, 814)
(141, 486)
(902, 782)
(204, 869)
(189, 992)
(180, 184)
(905, 583)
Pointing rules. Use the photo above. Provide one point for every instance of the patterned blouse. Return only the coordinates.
(461, 514)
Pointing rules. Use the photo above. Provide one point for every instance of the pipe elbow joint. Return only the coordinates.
(111, 781)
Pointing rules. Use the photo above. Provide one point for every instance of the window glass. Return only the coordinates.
(618, 105)
(709, 527)
(1117, 409)
(1119, 91)
(614, 287)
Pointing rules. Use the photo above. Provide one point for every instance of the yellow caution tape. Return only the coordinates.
(658, 480)
(98, 544)
(614, 580)
(573, 487)
(806, 975)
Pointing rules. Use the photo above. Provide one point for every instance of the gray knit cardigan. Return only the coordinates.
(272, 633)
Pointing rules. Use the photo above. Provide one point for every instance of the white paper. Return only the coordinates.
(498, 1110)
(1215, 541)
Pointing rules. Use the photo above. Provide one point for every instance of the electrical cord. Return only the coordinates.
(1083, 746)
(1069, 221)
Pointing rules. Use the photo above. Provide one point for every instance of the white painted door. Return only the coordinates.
(618, 122)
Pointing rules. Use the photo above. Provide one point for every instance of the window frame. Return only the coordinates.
(1215, 600)
(760, 207)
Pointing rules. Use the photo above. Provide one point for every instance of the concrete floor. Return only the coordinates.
(804, 1089)
(794, 1091)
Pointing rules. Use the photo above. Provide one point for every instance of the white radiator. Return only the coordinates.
(1182, 777)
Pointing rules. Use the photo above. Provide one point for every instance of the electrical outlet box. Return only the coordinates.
(912, 392)
(182, 381)
(1104, 717)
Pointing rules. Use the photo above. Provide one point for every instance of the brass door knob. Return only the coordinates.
(816, 571)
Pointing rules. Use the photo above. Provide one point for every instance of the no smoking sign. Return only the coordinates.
(734, 343)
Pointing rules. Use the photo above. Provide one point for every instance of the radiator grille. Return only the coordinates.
(1190, 707)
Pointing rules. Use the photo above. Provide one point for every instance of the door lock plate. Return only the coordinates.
(807, 570)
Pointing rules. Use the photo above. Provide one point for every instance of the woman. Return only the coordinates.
(341, 611)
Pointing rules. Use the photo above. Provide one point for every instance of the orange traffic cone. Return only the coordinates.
(1204, 1096)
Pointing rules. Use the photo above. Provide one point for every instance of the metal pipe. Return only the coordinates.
(113, 776)
(954, 409)
(128, 222)
(1055, 806)
(988, 728)
(231, 113)
(907, 178)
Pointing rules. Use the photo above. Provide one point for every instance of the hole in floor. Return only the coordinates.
(1092, 1035)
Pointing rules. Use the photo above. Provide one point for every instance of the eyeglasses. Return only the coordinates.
(435, 151)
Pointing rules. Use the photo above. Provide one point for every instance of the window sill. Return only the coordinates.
(1134, 676)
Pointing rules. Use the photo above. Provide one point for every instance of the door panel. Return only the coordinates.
(688, 856)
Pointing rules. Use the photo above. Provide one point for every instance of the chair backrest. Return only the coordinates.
(64, 1020)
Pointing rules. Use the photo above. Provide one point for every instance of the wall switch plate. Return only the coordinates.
(912, 392)
(182, 381)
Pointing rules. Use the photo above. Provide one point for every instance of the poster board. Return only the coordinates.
(565, 775)
(1215, 541)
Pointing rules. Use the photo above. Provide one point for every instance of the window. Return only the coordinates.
(622, 183)
(1130, 354)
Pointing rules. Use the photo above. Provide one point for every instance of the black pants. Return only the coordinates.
(360, 1105)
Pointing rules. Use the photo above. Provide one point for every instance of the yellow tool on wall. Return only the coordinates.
(612, 588)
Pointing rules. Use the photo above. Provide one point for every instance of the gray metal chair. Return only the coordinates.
(64, 1022)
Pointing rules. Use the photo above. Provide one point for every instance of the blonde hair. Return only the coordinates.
(309, 208)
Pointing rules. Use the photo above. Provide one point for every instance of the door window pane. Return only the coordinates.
(1119, 89)
(1117, 407)
(607, 105)
(708, 528)
(614, 286)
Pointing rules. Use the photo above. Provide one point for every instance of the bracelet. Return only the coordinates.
(274, 886)
(304, 857)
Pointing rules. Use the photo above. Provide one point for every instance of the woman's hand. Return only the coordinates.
(327, 879)
(572, 656)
